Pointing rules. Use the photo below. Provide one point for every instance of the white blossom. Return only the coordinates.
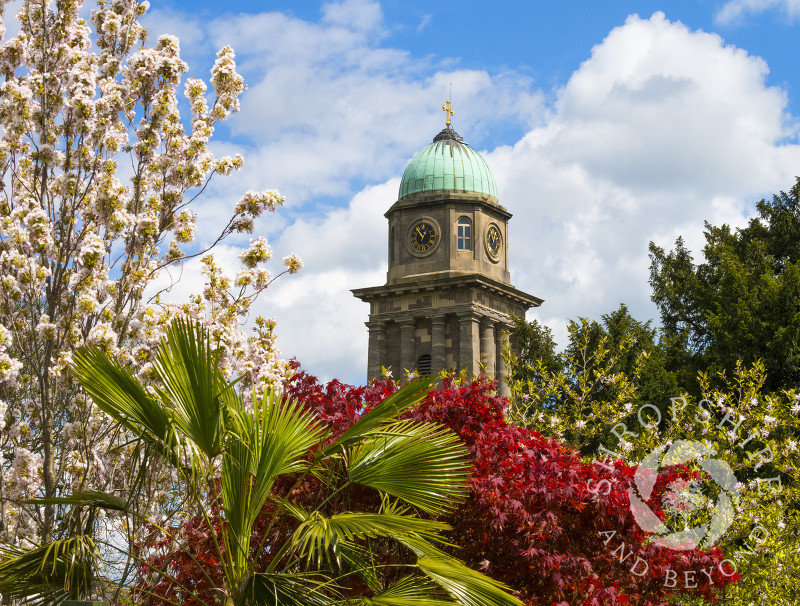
(76, 262)
(259, 252)
(293, 263)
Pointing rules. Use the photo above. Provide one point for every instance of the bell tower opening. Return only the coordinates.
(424, 364)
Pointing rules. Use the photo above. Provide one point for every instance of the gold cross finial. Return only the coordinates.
(448, 110)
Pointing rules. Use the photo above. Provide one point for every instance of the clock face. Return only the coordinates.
(494, 241)
(423, 237)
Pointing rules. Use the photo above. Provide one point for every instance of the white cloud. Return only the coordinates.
(424, 22)
(659, 129)
(189, 29)
(658, 105)
(318, 319)
(734, 10)
(360, 15)
(328, 108)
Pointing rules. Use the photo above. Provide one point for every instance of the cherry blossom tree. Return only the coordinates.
(98, 173)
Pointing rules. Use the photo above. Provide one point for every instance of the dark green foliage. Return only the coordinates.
(634, 350)
(51, 573)
(645, 356)
(534, 342)
(743, 301)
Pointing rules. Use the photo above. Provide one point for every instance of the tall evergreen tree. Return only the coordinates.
(742, 302)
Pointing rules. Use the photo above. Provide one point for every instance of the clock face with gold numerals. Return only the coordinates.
(494, 241)
(423, 237)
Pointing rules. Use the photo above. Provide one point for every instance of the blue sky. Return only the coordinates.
(607, 125)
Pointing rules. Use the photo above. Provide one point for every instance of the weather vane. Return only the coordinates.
(448, 110)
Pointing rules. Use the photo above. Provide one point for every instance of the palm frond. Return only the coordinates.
(411, 591)
(273, 441)
(355, 557)
(116, 392)
(50, 573)
(422, 464)
(418, 543)
(319, 536)
(466, 586)
(421, 547)
(86, 498)
(287, 590)
(193, 385)
(387, 411)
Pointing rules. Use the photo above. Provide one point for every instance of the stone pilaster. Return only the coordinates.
(438, 344)
(501, 338)
(408, 353)
(488, 349)
(376, 349)
(470, 344)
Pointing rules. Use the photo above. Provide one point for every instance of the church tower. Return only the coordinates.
(448, 298)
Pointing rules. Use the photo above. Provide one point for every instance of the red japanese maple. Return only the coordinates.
(531, 520)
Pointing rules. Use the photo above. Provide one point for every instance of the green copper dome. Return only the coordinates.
(447, 163)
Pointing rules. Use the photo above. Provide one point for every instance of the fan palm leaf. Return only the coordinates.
(274, 440)
(193, 386)
(119, 394)
(50, 573)
(319, 536)
(466, 586)
(422, 464)
(86, 498)
(412, 590)
(386, 411)
(286, 590)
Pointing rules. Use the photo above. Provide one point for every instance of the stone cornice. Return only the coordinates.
(441, 197)
(451, 283)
